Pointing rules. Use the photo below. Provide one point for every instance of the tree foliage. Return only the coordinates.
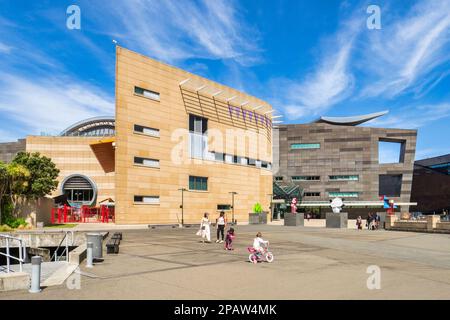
(29, 175)
(43, 174)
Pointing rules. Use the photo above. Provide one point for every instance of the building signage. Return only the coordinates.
(250, 116)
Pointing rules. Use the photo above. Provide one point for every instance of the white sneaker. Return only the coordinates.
(221, 241)
(217, 241)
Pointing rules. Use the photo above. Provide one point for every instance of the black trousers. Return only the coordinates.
(220, 230)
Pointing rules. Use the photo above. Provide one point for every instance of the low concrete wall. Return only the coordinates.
(432, 224)
(14, 281)
(40, 238)
(443, 226)
(35, 210)
(411, 224)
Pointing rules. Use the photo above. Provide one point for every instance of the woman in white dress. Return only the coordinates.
(205, 230)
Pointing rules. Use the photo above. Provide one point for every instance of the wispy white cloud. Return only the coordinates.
(413, 117)
(179, 30)
(4, 48)
(407, 55)
(407, 50)
(330, 82)
(50, 104)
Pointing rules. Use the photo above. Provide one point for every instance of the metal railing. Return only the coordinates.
(55, 255)
(22, 252)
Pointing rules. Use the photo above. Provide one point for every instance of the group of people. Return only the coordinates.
(205, 232)
(221, 223)
(372, 222)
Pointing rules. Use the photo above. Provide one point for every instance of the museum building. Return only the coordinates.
(179, 145)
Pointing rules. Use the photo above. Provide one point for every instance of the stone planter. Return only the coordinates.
(257, 218)
(294, 219)
(337, 220)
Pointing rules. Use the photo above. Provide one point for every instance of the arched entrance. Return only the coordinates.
(80, 190)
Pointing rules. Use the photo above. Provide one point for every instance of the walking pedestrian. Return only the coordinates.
(205, 231)
(221, 224)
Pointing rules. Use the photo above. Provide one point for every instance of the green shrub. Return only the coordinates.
(257, 208)
(5, 228)
(15, 222)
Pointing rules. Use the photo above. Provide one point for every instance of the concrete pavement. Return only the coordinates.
(310, 263)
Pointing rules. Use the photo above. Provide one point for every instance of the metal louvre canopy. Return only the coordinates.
(77, 182)
(197, 86)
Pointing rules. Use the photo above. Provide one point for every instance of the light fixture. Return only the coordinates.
(217, 93)
(270, 111)
(258, 107)
(229, 99)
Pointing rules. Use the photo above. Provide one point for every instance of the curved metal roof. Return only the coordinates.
(351, 121)
(87, 126)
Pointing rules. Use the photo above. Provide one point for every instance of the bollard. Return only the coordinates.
(89, 258)
(35, 274)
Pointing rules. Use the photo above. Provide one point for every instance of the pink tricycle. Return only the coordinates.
(256, 256)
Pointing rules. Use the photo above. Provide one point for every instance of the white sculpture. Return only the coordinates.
(336, 205)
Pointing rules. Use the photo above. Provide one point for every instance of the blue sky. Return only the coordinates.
(306, 58)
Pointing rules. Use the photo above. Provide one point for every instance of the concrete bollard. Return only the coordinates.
(35, 274)
(89, 256)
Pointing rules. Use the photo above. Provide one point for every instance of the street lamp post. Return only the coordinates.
(271, 207)
(182, 205)
(232, 206)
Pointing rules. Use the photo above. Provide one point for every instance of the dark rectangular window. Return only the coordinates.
(146, 199)
(345, 178)
(311, 194)
(146, 130)
(219, 156)
(390, 185)
(146, 93)
(198, 183)
(306, 178)
(198, 124)
(224, 207)
(153, 163)
(278, 178)
(251, 162)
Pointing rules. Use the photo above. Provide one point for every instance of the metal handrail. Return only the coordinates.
(22, 252)
(66, 249)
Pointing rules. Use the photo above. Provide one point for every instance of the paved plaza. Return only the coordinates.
(310, 263)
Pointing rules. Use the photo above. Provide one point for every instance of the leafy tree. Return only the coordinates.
(18, 181)
(4, 182)
(43, 174)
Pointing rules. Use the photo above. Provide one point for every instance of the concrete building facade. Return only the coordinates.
(329, 159)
